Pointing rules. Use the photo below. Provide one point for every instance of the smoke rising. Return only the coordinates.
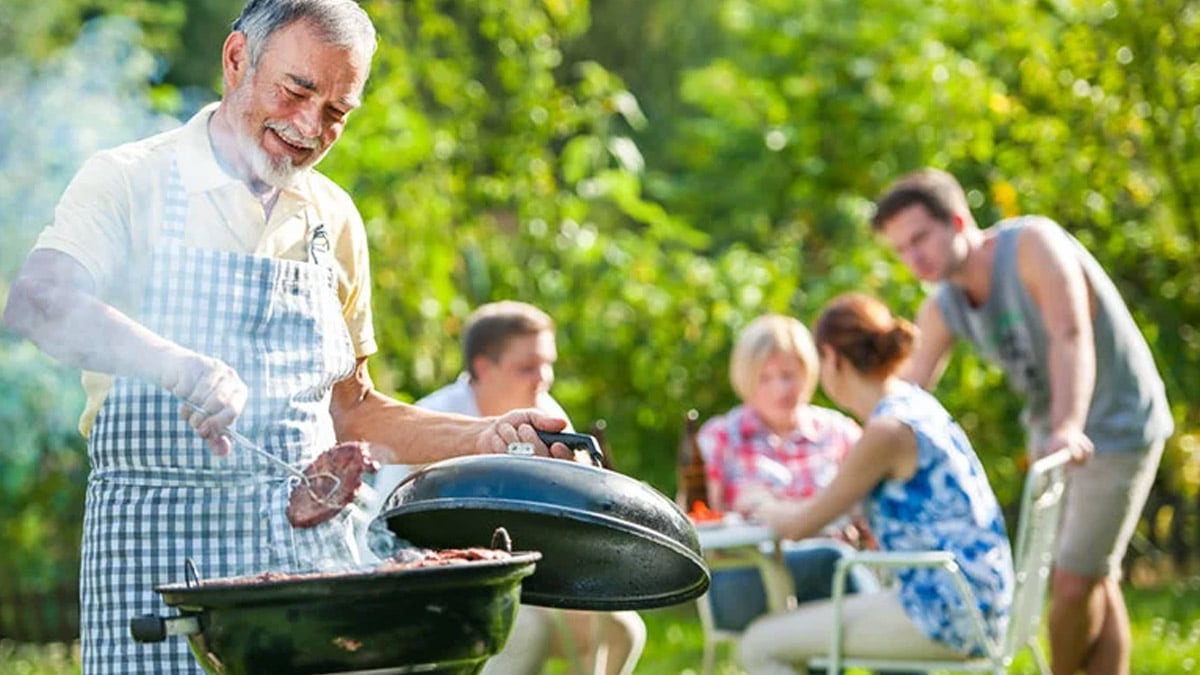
(93, 94)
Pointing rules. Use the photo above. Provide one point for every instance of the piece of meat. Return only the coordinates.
(405, 559)
(440, 557)
(315, 503)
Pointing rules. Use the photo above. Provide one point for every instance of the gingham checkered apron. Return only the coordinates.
(158, 496)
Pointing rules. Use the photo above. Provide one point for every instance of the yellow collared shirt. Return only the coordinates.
(110, 215)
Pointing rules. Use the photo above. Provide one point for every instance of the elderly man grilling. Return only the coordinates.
(208, 276)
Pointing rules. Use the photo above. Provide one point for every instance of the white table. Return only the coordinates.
(734, 543)
(733, 533)
(737, 543)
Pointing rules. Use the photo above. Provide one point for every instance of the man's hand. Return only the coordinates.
(1076, 442)
(214, 395)
(520, 426)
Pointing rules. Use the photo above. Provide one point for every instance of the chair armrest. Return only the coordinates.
(901, 559)
(888, 560)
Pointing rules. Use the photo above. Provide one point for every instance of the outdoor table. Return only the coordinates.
(734, 542)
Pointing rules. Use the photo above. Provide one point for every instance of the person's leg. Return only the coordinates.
(874, 625)
(1088, 622)
(572, 640)
(599, 643)
(1114, 645)
(622, 637)
(1077, 614)
(528, 644)
(736, 597)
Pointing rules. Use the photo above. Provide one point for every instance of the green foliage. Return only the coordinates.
(656, 173)
(51, 659)
(486, 170)
(44, 469)
(796, 112)
(93, 94)
(34, 30)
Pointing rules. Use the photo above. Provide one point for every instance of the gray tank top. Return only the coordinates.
(1128, 411)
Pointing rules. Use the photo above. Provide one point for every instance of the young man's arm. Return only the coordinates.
(934, 340)
(1054, 278)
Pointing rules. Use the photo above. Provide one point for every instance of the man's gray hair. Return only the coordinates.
(340, 22)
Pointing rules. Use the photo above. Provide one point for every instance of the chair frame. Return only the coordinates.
(767, 559)
(1037, 529)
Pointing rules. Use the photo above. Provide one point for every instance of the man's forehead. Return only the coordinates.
(300, 54)
(538, 342)
(350, 100)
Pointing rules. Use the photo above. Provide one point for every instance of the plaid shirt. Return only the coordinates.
(733, 442)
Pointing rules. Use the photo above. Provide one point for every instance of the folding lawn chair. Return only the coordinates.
(1037, 530)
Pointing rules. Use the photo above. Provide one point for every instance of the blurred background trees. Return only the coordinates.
(656, 173)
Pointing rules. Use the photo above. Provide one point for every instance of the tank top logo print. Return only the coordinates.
(1011, 345)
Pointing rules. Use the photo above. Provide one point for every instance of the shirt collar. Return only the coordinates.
(198, 166)
(751, 424)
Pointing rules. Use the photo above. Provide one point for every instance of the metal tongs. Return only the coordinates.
(325, 477)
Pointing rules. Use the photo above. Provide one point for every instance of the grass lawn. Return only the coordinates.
(1165, 618)
(1166, 637)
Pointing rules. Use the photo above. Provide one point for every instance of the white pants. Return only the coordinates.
(601, 643)
(875, 625)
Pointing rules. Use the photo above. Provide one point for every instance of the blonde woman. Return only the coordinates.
(778, 441)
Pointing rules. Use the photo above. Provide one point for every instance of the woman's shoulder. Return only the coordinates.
(719, 431)
(887, 428)
(906, 398)
(722, 420)
(912, 406)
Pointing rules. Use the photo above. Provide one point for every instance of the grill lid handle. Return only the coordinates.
(154, 628)
(574, 442)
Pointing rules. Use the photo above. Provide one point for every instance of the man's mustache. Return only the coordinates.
(289, 133)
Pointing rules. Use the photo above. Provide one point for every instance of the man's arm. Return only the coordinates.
(400, 433)
(52, 303)
(928, 361)
(1054, 278)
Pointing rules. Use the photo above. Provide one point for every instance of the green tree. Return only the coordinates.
(800, 112)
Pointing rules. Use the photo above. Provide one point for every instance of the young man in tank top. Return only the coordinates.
(1030, 298)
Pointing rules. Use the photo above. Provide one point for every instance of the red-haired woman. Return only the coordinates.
(923, 488)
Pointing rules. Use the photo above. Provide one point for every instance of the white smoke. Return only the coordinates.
(96, 93)
(93, 94)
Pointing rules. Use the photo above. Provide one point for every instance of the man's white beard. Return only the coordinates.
(277, 172)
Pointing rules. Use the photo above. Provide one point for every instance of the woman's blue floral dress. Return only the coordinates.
(946, 505)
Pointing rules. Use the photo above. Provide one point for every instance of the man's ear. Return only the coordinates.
(480, 365)
(235, 60)
(958, 222)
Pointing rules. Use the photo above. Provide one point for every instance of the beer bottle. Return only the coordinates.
(692, 485)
